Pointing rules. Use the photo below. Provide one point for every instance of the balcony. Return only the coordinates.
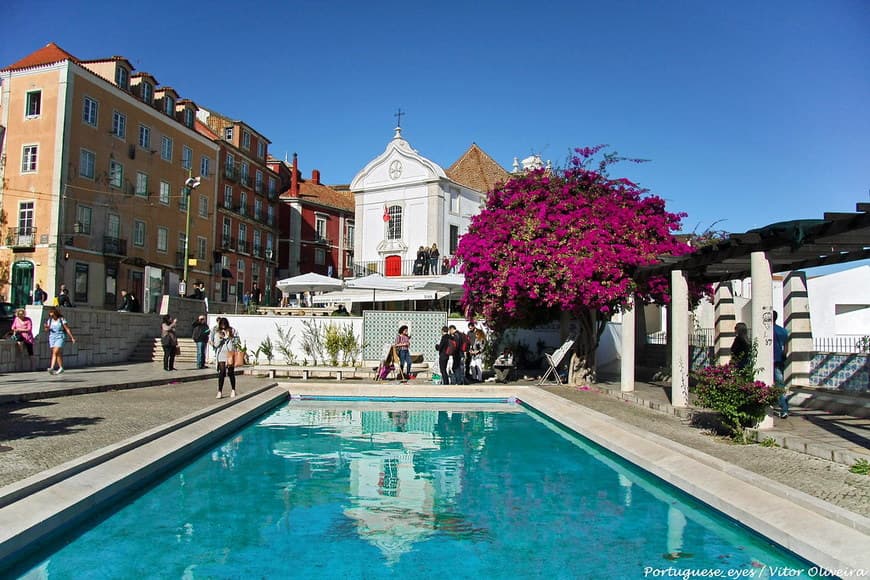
(179, 259)
(114, 246)
(243, 246)
(228, 243)
(322, 240)
(245, 180)
(231, 173)
(257, 251)
(21, 237)
(241, 209)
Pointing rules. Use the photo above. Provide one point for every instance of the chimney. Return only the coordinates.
(294, 177)
(315, 176)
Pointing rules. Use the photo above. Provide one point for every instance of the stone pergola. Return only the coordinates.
(789, 247)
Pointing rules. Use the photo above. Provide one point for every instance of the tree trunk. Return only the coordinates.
(581, 369)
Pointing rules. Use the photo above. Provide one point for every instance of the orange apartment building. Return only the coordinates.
(93, 164)
(246, 209)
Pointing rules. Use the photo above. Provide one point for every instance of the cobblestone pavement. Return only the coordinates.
(48, 432)
(825, 480)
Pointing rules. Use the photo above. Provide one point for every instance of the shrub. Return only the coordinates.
(285, 345)
(740, 400)
(332, 340)
(267, 348)
(861, 467)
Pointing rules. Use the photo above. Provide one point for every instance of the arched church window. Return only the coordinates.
(394, 225)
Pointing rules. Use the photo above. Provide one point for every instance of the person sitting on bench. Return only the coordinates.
(503, 366)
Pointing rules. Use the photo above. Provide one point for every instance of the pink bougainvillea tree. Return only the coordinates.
(566, 242)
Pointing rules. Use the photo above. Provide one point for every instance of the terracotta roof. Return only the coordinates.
(48, 54)
(324, 195)
(477, 170)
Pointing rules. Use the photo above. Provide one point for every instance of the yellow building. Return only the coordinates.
(93, 165)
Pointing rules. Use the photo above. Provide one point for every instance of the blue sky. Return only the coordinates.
(750, 112)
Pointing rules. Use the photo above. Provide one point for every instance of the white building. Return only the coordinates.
(405, 201)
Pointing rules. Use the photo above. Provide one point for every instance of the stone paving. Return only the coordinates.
(56, 426)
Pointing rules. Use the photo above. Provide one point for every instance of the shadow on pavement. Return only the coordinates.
(17, 423)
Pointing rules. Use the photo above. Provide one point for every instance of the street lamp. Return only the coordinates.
(190, 184)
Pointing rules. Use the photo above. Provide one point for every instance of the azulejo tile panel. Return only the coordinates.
(844, 372)
(380, 329)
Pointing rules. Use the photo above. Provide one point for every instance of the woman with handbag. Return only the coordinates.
(169, 342)
(22, 333)
(225, 343)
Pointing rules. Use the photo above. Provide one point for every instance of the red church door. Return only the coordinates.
(393, 266)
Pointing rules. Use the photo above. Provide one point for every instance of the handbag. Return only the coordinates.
(238, 358)
(177, 350)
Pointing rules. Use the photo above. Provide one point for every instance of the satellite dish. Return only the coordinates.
(193, 182)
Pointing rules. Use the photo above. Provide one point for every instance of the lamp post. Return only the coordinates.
(190, 184)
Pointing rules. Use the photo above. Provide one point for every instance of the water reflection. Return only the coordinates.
(399, 462)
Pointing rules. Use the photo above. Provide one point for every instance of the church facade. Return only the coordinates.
(404, 202)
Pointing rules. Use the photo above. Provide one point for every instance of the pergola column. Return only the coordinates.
(679, 339)
(762, 322)
(627, 342)
(762, 315)
(725, 319)
(796, 312)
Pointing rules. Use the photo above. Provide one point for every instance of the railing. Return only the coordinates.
(241, 209)
(398, 268)
(257, 252)
(843, 343)
(321, 240)
(179, 259)
(231, 173)
(243, 246)
(701, 337)
(245, 180)
(21, 237)
(115, 246)
(228, 243)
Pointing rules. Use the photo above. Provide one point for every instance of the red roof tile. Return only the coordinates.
(477, 170)
(48, 54)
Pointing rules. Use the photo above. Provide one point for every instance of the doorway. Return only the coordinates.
(22, 283)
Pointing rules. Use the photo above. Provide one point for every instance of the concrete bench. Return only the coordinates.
(306, 372)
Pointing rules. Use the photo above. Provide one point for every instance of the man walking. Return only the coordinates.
(200, 336)
(780, 338)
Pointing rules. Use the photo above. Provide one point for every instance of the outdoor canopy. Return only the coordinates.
(310, 282)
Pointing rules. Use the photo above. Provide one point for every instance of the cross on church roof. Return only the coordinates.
(398, 117)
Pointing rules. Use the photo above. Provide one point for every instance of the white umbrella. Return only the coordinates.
(310, 282)
(450, 283)
(360, 295)
(375, 282)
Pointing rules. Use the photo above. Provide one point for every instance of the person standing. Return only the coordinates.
(403, 348)
(741, 350)
(477, 355)
(58, 331)
(223, 340)
(256, 294)
(22, 333)
(780, 338)
(471, 337)
(126, 302)
(432, 266)
(458, 355)
(63, 299)
(169, 341)
(199, 334)
(444, 352)
(39, 295)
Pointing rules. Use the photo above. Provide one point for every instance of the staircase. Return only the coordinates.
(150, 350)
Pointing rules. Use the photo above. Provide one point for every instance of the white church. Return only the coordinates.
(405, 201)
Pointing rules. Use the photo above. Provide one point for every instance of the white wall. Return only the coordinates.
(254, 329)
(848, 287)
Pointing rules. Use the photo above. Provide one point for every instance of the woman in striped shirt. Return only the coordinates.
(403, 346)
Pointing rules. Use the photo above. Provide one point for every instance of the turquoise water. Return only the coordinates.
(370, 491)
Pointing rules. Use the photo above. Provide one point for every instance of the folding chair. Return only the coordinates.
(554, 360)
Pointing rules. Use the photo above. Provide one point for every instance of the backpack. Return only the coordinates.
(462, 340)
(452, 346)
